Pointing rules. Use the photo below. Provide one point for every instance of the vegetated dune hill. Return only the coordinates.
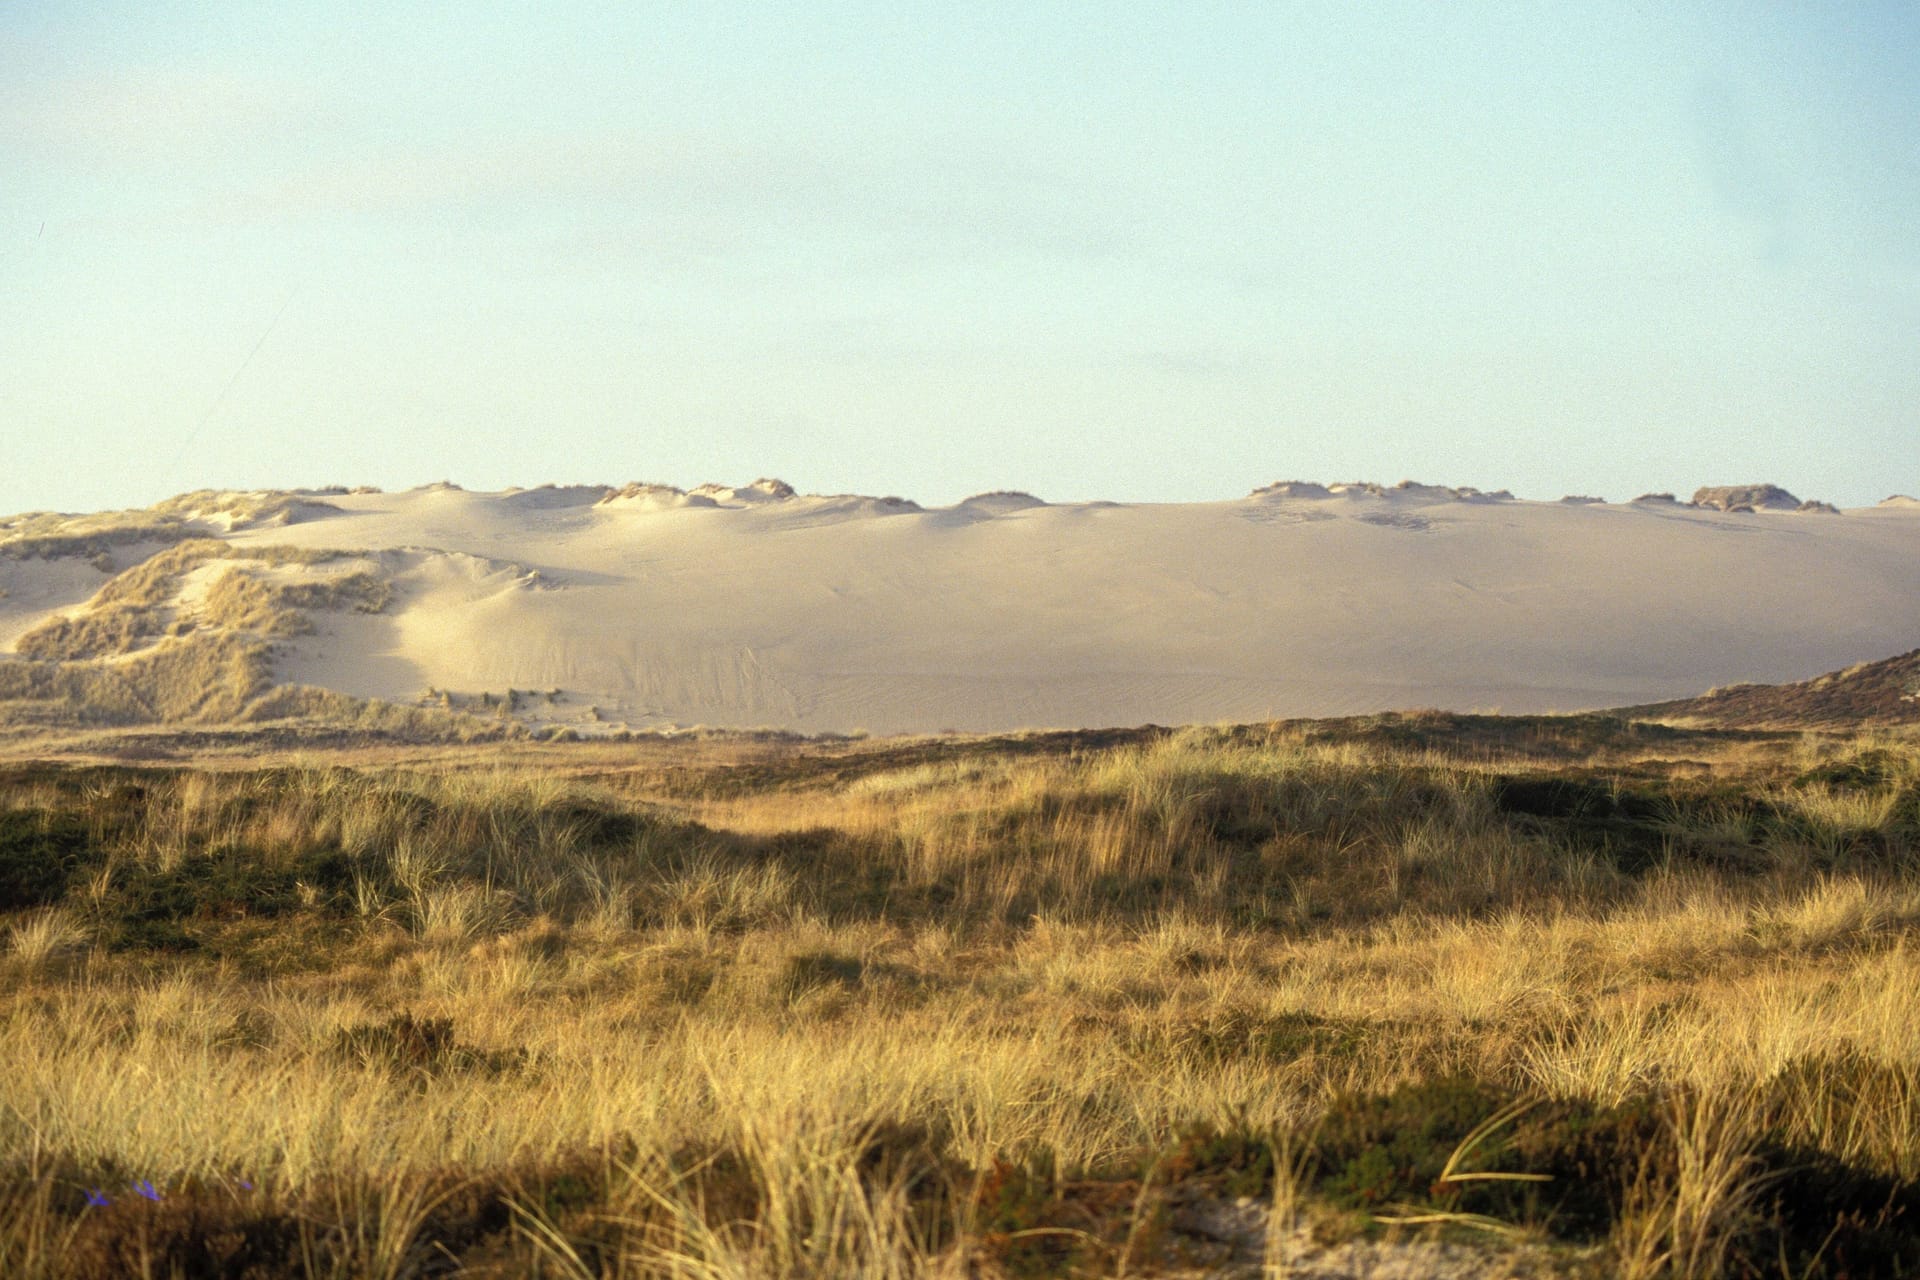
(1868, 693)
(603, 607)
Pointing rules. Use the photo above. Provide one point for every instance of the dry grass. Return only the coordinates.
(96, 536)
(206, 678)
(43, 936)
(807, 1012)
(139, 607)
(48, 534)
(241, 600)
(229, 509)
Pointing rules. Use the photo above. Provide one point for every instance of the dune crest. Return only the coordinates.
(762, 490)
(654, 497)
(548, 497)
(1748, 497)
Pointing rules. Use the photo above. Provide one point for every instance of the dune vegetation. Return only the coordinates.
(1463, 996)
(189, 635)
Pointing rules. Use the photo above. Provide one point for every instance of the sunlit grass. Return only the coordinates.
(808, 1026)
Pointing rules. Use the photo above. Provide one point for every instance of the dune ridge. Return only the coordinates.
(600, 608)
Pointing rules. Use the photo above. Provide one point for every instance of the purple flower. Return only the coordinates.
(97, 1200)
(145, 1188)
(245, 1185)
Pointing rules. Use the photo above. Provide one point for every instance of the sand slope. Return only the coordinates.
(755, 606)
(842, 613)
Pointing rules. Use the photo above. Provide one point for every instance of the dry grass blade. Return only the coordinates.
(1405, 1215)
(1480, 1133)
(1682, 1220)
(549, 1242)
(33, 1240)
(1292, 1160)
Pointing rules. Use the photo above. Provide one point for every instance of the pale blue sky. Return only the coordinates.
(1153, 252)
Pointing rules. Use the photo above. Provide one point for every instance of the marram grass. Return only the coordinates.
(968, 1010)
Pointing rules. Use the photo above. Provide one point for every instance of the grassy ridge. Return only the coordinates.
(1606, 1000)
(1883, 692)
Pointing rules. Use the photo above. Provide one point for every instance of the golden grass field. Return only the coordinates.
(1450, 995)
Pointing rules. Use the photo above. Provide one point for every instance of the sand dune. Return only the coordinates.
(646, 606)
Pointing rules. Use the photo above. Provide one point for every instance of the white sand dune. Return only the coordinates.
(648, 606)
(754, 606)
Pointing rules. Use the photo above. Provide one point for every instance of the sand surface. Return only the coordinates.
(32, 590)
(747, 608)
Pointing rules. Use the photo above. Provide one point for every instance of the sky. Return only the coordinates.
(1161, 252)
